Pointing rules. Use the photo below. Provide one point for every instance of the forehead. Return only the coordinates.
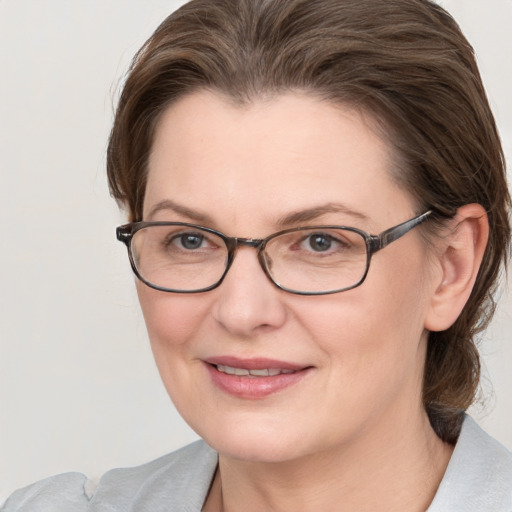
(267, 158)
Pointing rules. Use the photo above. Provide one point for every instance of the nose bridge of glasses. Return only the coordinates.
(249, 242)
(256, 243)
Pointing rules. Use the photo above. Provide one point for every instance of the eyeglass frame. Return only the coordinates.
(374, 243)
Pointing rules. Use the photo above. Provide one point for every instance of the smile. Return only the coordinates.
(243, 372)
(254, 378)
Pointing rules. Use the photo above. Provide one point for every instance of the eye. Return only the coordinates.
(311, 243)
(185, 241)
(319, 242)
(189, 241)
(323, 243)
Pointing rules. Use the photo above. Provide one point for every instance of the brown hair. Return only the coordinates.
(404, 61)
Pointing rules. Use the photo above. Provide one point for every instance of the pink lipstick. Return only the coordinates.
(253, 379)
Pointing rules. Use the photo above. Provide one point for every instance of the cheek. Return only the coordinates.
(171, 320)
(375, 328)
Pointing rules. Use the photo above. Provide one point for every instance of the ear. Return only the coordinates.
(459, 256)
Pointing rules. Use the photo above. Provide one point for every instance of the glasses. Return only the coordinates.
(314, 260)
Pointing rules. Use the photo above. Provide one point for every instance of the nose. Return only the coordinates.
(247, 302)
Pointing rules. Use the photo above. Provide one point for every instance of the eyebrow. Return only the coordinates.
(167, 204)
(293, 218)
(310, 214)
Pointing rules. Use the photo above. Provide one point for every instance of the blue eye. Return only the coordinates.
(190, 241)
(184, 241)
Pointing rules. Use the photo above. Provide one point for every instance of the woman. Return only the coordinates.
(319, 215)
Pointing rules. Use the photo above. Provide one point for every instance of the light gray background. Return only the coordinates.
(78, 387)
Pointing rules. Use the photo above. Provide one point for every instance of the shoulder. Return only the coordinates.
(177, 481)
(479, 475)
(67, 492)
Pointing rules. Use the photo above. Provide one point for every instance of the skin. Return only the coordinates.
(352, 434)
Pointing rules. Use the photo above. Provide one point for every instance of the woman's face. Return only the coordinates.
(357, 356)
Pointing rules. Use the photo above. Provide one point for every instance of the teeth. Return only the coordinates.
(242, 372)
(263, 373)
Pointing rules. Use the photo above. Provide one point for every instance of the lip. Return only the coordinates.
(254, 388)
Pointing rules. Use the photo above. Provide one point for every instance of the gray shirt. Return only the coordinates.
(478, 479)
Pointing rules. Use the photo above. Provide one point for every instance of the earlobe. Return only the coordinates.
(459, 259)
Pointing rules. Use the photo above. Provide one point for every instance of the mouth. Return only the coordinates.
(245, 372)
(254, 379)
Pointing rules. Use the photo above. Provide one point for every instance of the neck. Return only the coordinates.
(397, 468)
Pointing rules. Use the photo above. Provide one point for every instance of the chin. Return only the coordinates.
(252, 442)
(255, 450)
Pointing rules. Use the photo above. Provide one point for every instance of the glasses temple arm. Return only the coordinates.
(390, 235)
